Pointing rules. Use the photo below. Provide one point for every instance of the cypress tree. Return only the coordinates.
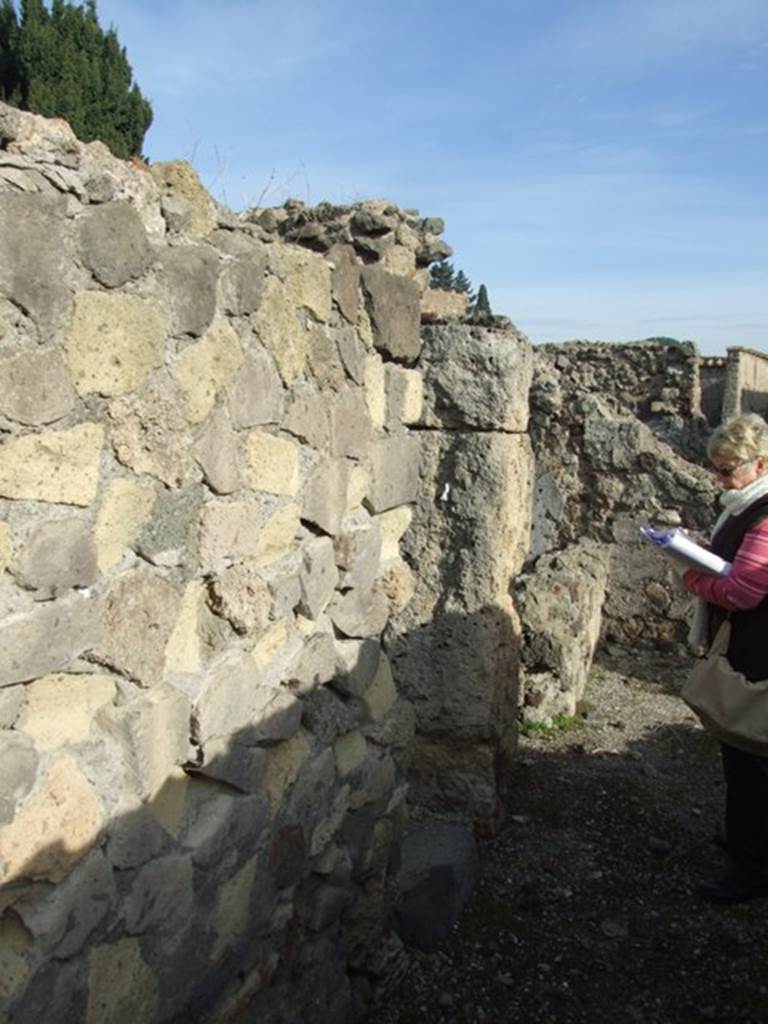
(61, 63)
(482, 308)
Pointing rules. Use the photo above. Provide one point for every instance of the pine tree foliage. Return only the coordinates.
(482, 307)
(442, 276)
(59, 62)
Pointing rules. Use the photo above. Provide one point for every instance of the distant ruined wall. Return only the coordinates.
(207, 463)
(617, 434)
(746, 383)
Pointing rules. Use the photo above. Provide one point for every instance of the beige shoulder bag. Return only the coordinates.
(730, 707)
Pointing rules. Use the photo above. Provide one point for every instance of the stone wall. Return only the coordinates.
(454, 647)
(206, 466)
(746, 383)
(619, 442)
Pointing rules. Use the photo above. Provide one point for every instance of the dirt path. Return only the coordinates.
(587, 909)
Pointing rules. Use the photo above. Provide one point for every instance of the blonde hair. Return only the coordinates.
(743, 439)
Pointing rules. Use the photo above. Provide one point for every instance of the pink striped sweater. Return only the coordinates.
(747, 583)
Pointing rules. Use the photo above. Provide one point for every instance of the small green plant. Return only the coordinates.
(557, 723)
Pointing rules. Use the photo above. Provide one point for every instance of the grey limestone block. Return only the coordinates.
(236, 764)
(257, 395)
(395, 476)
(394, 308)
(356, 664)
(56, 556)
(475, 377)
(345, 281)
(113, 243)
(242, 283)
(218, 453)
(315, 665)
(37, 388)
(324, 501)
(34, 268)
(18, 771)
(358, 551)
(351, 426)
(319, 576)
(191, 275)
(306, 417)
(48, 639)
(359, 613)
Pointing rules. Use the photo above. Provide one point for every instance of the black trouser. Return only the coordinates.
(746, 811)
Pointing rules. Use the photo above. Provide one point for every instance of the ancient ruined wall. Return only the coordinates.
(746, 383)
(613, 428)
(206, 466)
(712, 372)
(454, 647)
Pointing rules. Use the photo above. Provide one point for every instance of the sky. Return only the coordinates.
(600, 164)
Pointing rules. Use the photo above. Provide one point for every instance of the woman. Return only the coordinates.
(738, 451)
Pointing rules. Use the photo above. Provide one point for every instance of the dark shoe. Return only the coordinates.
(733, 889)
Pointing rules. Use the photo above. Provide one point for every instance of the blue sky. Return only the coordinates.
(600, 164)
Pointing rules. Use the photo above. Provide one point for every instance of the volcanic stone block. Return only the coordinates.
(113, 342)
(272, 464)
(319, 576)
(394, 309)
(47, 639)
(394, 472)
(206, 367)
(60, 708)
(191, 273)
(358, 551)
(121, 986)
(114, 244)
(359, 613)
(56, 556)
(125, 507)
(256, 396)
(325, 495)
(218, 454)
(242, 283)
(150, 434)
(345, 280)
(57, 466)
(281, 326)
(350, 424)
(18, 772)
(37, 388)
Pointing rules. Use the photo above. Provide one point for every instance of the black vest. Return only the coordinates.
(748, 647)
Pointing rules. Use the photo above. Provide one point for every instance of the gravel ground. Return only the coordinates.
(587, 909)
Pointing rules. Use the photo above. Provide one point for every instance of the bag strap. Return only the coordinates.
(722, 638)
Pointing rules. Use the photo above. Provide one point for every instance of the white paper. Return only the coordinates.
(676, 544)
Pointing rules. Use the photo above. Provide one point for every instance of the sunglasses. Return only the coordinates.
(725, 471)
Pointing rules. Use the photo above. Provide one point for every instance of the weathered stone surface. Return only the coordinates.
(439, 304)
(141, 604)
(149, 435)
(281, 326)
(357, 662)
(397, 581)
(60, 708)
(350, 424)
(357, 549)
(257, 395)
(113, 342)
(232, 908)
(323, 359)
(405, 395)
(59, 466)
(325, 495)
(36, 388)
(358, 486)
(394, 472)
(6, 546)
(18, 772)
(161, 898)
(48, 639)
(191, 274)
(560, 605)
(375, 390)
(476, 377)
(167, 537)
(57, 555)
(113, 243)
(34, 268)
(125, 507)
(271, 464)
(326, 716)
(239, 765)
(392, 525)
(319, 576)
(283, 766)
(306, 417)
(121, 986)
(353, 353)
(241, 596)
(345, 281)
(282, 578)
(183, 652)
(440, 867)
(307, 279)
(206, 367)
(382, 693)
(242, 282)
(15, 966)
(60, 920)
(229, 533)
(54, 827)
(350, 752)
(393, 305)
(218, 454)
(178, 179)
(315, 665)
(153, 731)
(359, 613)
(11, 703)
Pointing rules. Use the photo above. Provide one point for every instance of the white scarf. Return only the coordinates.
(734, 502)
